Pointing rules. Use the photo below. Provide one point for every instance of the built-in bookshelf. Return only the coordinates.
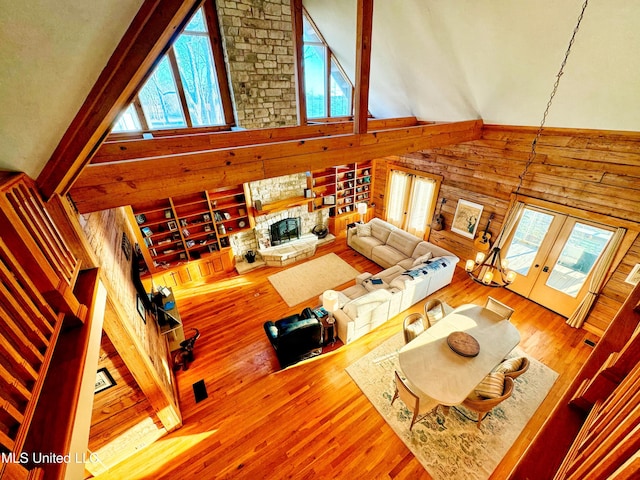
(341, 187)
(322, 185)
(189, 227)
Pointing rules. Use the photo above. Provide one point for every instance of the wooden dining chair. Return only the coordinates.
(412, 326)
(434, 311)
(421, 406)
(498, 307)
(507, 367)
(482, 406)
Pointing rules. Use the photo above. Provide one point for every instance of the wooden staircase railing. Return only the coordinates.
(37, 275)
(35, 241)
(594, 431)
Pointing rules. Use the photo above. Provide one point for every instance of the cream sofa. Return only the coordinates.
(388, 245)
(421, 268)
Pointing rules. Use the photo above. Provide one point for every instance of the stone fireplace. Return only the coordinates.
(284, 231)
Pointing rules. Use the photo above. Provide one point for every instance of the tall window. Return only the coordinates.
(328, 91)
(411, 198)
(183, 89)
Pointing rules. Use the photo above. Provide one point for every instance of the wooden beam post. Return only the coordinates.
(298, 44)
(363, 64)
(155, 25)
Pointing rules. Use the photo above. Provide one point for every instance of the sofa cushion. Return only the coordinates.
(380, 229)
(422, 259)
(354, 291)
(365, 245)
(424, 247)
(406, 264)
(402, 241)
(400, 282)
(366, 302)
(363, 230)
(386, 255)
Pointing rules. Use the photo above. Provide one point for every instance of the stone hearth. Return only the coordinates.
(290, 252)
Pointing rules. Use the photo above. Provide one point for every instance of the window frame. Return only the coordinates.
(220, 68)
(329, 59)
(437, 179)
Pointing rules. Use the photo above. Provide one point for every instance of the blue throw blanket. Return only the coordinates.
(431, 266)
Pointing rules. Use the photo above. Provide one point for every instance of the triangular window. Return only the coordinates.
(328, 91)
(183, 90)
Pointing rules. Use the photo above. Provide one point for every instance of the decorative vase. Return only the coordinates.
(250, 256)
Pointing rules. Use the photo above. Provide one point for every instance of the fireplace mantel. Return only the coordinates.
(282, 205)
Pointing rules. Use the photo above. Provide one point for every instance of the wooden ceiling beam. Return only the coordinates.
(146, 39)
(116, 184)
(154, 147)
(364, 29)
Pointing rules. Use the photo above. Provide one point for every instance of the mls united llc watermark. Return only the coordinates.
(38, 458)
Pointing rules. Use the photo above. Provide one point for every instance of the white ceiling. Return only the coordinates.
(435, 59)
(496, 59)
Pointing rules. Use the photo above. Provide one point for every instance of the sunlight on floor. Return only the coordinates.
(203, 288)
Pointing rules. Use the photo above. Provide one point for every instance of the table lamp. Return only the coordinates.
(330, 303)
(362, 210)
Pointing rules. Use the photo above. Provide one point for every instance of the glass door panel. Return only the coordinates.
(554, 255)
(529, 245)
(528, 237)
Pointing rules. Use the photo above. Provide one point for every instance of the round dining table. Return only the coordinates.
(433, 367)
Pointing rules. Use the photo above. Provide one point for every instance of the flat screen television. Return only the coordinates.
(138, 260)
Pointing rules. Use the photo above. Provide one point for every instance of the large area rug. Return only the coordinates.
(310, 279)
(451, 446)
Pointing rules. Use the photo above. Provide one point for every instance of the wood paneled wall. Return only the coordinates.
(593, 171)
(123, 420)
(137, 352)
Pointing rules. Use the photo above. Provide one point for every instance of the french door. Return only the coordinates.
(411, 201)
(554, 255)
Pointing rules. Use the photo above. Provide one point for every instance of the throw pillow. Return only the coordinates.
(363, 229)
(510, 365)
(414, 329)
(422, 259)
(491, 386)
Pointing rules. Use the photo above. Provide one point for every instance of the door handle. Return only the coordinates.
(545, 269)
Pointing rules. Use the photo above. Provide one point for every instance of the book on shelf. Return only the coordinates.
(146, 231)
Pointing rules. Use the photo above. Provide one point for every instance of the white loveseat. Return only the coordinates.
(421, 268)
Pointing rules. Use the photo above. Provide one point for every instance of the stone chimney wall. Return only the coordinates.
(259, 48)
(273, 190)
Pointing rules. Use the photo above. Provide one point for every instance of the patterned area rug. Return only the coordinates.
(310, 279)
(451, 446)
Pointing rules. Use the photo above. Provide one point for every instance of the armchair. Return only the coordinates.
(295, 338)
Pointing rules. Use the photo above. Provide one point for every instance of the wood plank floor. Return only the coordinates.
(310, 420)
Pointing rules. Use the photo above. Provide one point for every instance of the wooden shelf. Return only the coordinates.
(184, 228)
(283, 205)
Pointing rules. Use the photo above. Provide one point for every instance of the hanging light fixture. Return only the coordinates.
(491, 270)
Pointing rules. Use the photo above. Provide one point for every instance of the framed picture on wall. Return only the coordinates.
(104, 380)
(634, 275)
(140, 307)
(465, 221)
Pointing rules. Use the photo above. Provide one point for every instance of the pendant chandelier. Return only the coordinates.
(491, 270)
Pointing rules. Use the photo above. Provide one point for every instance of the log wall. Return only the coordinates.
(593, 171)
